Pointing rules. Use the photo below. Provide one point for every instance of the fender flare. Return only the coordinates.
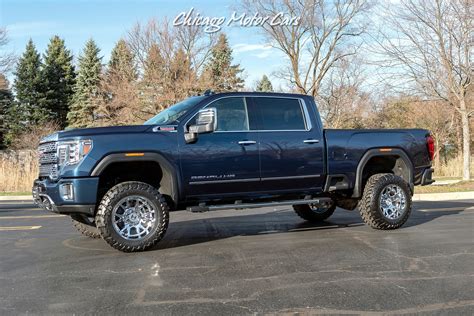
(169, 184)
(357, 193)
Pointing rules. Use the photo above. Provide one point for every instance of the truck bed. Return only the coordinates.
(345, 148)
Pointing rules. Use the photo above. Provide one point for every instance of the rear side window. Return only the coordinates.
(231, 114)
(280, 113)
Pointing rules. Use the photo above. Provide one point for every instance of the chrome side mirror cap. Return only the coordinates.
(206, 122)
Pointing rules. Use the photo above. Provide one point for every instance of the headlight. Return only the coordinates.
(72, 152)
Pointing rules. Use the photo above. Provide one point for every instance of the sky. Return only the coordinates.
(106, 21)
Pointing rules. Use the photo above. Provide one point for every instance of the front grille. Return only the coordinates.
(49, 170)
(48, 160)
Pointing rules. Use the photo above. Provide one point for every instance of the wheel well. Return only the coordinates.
(386, 164)
(145, 171)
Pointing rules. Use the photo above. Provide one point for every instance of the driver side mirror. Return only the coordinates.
(206, 122)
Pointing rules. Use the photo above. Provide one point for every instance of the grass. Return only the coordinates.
(452, 168)
(18, 170)
(447, 178)
(15, 193)
(462, 186)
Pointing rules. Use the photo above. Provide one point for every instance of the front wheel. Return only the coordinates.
(386, 201)
(314, 213)
(132, 216)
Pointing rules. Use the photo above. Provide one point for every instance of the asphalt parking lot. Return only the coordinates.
(243, 261)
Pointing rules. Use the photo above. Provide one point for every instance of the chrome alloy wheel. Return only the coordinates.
(133, 217)
(393, 202)
(317, 208)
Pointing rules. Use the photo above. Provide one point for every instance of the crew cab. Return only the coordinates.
(224, 151)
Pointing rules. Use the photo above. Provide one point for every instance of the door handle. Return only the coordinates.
(247, 142)
(311, 141)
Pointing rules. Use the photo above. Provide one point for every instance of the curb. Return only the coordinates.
(448, 196)
(16, 198)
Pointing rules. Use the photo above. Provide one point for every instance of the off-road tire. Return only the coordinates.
(305, 212)
(103, 217)
(369, 205)
(85, 226)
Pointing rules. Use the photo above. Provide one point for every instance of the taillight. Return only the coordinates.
(431, 146)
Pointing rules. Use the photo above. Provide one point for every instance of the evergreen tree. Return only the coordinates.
(154, 66)
(84, 101)
(27, 86)
(264, 85)
(183, 81)
(121, 62)
(118, 92)
(166, 82)
(6, 103)
(58, 79)
(223, 76)
(154, 79)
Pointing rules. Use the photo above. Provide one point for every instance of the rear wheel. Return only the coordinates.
(85, 225)
(132, 216)
(314, 213)
(386, 202)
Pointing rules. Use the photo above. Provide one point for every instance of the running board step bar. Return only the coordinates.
(204, 208)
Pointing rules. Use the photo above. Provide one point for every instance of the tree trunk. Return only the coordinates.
(437, 158)
(458, 135)
(466, 141)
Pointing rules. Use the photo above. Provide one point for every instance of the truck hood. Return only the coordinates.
(79, 132)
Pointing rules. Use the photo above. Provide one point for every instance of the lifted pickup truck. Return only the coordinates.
(225, 151)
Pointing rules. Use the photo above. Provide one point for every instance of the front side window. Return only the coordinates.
(231, 114)
(173, 113)
(280, 114)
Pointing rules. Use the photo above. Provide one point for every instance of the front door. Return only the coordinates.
(225, 161)
(291, 145)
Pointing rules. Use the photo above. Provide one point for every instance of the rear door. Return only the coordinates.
(291, 145)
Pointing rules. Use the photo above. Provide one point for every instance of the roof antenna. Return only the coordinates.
(209, 92)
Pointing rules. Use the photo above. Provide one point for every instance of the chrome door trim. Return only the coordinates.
(247, 142)
(306, 117)
(311, 141)
(224, 181)
(292, 177)
(254, 179)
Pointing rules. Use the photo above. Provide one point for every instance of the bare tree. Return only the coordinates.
(344, 103)
(327, 32)
(429, 46)
(6, 59)
(195, 43)
(404, 111)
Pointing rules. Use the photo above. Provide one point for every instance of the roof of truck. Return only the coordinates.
(255, 93)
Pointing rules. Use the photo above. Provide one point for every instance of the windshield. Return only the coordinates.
(171, 114)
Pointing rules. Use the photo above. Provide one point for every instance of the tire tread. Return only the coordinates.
(86, 230)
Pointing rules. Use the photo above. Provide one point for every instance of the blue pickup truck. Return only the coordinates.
(225, 151)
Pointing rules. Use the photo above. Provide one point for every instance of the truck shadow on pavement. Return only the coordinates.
(202, 230)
